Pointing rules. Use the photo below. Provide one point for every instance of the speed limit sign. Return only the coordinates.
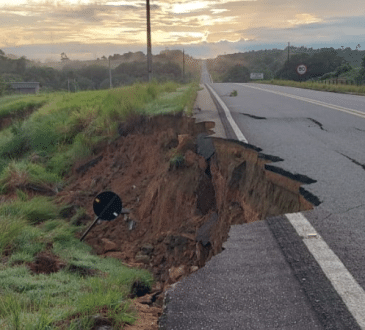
(301, 69)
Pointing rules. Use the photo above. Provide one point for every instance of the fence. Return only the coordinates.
(339, 81)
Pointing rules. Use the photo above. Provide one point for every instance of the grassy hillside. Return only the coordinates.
(36, 152)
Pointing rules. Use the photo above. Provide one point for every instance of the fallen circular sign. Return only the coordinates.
(107, 205)
(301, 69)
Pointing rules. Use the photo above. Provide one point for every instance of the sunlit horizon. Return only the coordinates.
(85, 29)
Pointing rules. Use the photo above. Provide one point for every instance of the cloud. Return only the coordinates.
(301, 19)
(335, 29)
(226, 23)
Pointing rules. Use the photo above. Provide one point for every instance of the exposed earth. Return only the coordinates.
(183, 190)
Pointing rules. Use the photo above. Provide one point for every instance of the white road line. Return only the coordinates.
(233, 124)
(350, 291)
(323, 104)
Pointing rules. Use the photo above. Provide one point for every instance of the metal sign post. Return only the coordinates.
(301, 70)
(87, 230)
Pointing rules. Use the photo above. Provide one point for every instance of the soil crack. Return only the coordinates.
(183, 213)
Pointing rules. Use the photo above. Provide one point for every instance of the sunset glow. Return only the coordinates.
(236, 25)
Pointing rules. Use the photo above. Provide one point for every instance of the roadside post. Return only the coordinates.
(301, 70)
(107, 206)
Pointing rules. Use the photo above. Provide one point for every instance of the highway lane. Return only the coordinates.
(323, 143)
(319, 141)
(307, 129)
(295, 271)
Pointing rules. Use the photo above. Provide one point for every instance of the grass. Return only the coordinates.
(69, 126)
(35, 210)
(174, 102)
(360, 90)
(40, 301)
(23, 173)
(37, 152)
(177, 161)
(18, 104)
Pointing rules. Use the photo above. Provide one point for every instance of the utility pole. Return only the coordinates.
(149, 46)
(110, 75)
(288, 50)
(75, 84)
(68, 84)
(183, 71)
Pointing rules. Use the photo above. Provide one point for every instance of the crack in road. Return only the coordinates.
(252, 116)
(320, 125)
(352, 208)
(317, 123)
(354, 161)
(361, 130)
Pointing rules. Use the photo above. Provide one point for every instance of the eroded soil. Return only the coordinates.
(181, 212)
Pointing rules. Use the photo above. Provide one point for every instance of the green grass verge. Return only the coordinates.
(38, 151)
(174, 102)
(18, 104)
(22, 174)
(27, 298)
(320, 86)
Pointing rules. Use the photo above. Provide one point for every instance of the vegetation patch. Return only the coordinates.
(28, 176)
(49, 279)
(52, 276)
(320, 86)
(323, 63)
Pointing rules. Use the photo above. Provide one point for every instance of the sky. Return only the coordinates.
(86, 29)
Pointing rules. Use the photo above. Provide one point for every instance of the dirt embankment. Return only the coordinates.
(181, 211)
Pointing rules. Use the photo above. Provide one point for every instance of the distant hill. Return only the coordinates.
(12, 56)
(271, 62)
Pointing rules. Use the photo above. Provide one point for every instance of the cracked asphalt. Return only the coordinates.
(266, 278)
(323, 143)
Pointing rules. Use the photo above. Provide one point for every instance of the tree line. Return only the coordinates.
(321, 63)
(91, 77)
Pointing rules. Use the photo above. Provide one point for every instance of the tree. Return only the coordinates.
(85, 84)
(95, 73)
(237, 73)
(4, 86)
(342, 69)
(324, 61)
(64, 57)
(288, 71)
(21, 65)
(2, 53)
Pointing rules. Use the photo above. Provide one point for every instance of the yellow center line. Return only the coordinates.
(323, 104)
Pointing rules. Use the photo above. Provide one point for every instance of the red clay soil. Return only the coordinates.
(182, 213)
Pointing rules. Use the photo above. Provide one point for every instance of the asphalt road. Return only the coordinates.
(323, 143)
(271, 275)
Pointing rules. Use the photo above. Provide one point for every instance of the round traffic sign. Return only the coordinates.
(107, 205)
(301, 68)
